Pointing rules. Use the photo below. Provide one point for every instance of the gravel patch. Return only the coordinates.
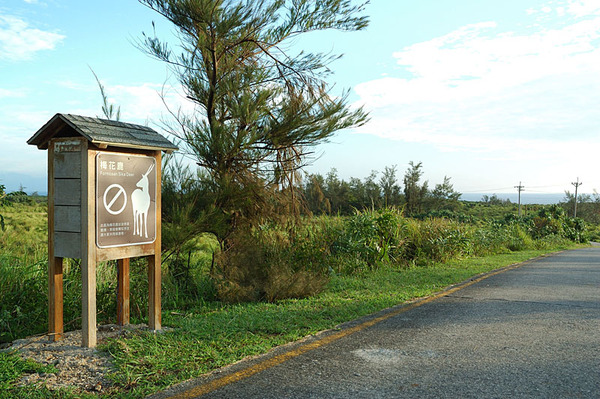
(84, 369)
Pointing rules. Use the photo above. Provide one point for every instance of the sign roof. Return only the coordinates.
(101, 132)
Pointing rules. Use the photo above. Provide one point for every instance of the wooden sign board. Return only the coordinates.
(125, 199)
(103, 204)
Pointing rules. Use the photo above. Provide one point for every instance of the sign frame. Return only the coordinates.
(72, 160)
(73, 142)
(116, 170)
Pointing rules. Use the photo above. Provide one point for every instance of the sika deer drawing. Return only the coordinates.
(140, 202)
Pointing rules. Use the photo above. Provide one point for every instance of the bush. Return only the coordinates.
(267, 263)
(18, 197)
(553, 220)
(271, 263)
(519, 239)
(372, 236)
(437, 240)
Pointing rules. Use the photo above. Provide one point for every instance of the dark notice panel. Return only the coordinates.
(125, 199)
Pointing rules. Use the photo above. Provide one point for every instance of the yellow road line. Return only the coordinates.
(276, 360)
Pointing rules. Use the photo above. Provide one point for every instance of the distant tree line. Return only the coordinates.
(588, 206)
(19, 196)
(330, 194)
(494, 200)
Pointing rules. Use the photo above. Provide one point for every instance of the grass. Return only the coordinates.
(12, 367)
(23, 278)
(23, 260)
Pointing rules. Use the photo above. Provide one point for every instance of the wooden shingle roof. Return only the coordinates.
(101, 132)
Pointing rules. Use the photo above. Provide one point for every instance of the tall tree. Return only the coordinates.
(586, 210)
(389, 186)
(372, 191)
(443, 196)
(337, 192)
(357, 194)
(314, 195)
(261, 106)
(2, 195)
(414, 192)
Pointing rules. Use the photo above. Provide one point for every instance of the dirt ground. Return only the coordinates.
(85, 369)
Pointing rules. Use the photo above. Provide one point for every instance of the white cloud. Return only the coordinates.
(6, 93)
(582, 8)
(144, 102)
(19, 41)
(73, 85)
(481, 89)
(139, 104)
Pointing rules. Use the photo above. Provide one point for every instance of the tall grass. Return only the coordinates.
(373, 238)
(23, 260)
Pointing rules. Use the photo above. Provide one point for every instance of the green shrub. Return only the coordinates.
(271, 263)
(372, 236)
(553, 220)
(268, 263)
(437, 240)
(490, 238)
(519, 239)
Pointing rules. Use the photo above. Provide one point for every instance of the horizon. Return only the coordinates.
(489, 95)
(530, 195)
(526, 199)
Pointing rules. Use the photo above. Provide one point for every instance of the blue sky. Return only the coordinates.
(488, 93)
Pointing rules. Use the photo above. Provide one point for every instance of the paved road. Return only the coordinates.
(529, 332)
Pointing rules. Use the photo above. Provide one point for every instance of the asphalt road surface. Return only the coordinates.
(529, 332)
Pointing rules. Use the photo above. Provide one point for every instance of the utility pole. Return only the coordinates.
(576, 184)
(520, 187)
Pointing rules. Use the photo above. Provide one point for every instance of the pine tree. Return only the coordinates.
(260, 104)
(443, 196)
(414, 193)
(389, 186)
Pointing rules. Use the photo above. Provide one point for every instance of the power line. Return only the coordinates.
(529, 188)
(487, 190)
(556, 185)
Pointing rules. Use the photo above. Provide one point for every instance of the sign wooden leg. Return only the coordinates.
(88, 274)
(123, 292)
(154, 297)
(55, 298)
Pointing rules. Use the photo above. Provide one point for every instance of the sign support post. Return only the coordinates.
(123, 291)
(55, 265)
(154, 262)
(88, 250)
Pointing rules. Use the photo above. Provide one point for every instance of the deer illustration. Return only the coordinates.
(140, 202)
